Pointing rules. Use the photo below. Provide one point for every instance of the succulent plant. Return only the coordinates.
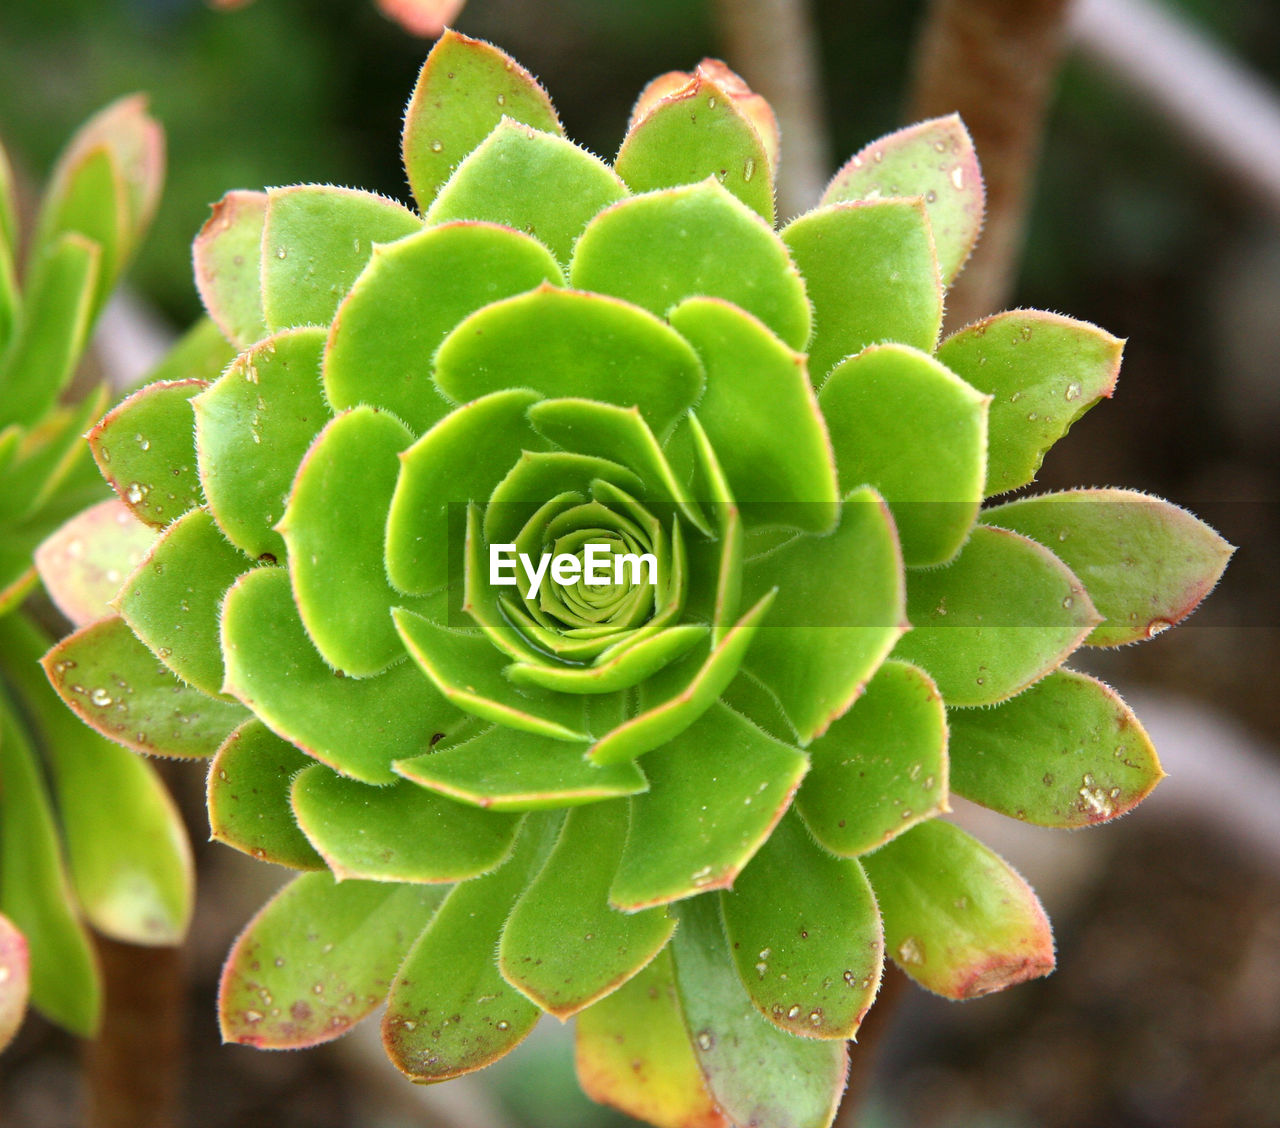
(115, 854)
(694, 807)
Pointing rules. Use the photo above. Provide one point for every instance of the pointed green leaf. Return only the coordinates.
(838, 613)
(564, 946)
(412, 293)
(932, 159)
(957, 918)
(335, 529)
(53, 332)
(757, 1073)
(228, 266)
(48, 465)
(86, 200)
(510, 770)
(531, 181)
(318, 958)
(145, 451)
(1068, 752)
(715, 793)
(398, 833)
(253, 425)
(468, 670)
(872, 275)
(1146, 563)
(315, 241)
(682, 692)
(85, 562)
(35, 893)
(356, 726)
(129, 858)
(15, 959)
(695, 133)
(450, 1012)
(248, 797)
(10, 305)
(633, 1053)
(174, 599)
(566, 343)
(693, 241)
(625, 669)
(492, 431)
(757, 388)
(882, 767)
(117, 686)
(465, 89)
(906, 425)
(805, 935)
(1000, 616)
(1044, 372)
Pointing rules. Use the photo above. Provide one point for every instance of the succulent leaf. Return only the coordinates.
(957, 918)
(999, 617)
(252, 427)
(398, 833)
(529, 181)
(144, 449)
(756, 1072)
(693, 240)
(1147, 563)
(933, 160)
(889, 400)
(858, 794)
(357, 726)
(465, 89)
(129, 860)
(633, 1053)
(318, 958)
(334, 527)
(694, 133)
(35, 894)
(564, 945)
(805, 935)
(53, 331)
(871, 273)
(1043, 371)
(315, 240)
(437, 1027)
(508, 769)
(385, 334)
(1068, 752)
(715, 793)
(15, 982)
(172, 602)
(117, 686)
(228, 266)
(838, 612)
(85, 562)
(249, 797)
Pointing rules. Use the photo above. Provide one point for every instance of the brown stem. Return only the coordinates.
(134, 1067)
(993, 61)
(771, 43)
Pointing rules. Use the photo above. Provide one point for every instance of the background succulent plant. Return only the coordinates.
(698, 813)
(115, 853)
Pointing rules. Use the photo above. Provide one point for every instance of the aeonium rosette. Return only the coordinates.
(692, 802)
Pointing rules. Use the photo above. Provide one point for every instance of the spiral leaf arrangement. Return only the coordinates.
(694, 806)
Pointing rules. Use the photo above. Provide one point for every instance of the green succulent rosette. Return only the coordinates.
(88, 833)
(694, 806)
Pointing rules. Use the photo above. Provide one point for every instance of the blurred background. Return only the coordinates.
(1158, 224)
